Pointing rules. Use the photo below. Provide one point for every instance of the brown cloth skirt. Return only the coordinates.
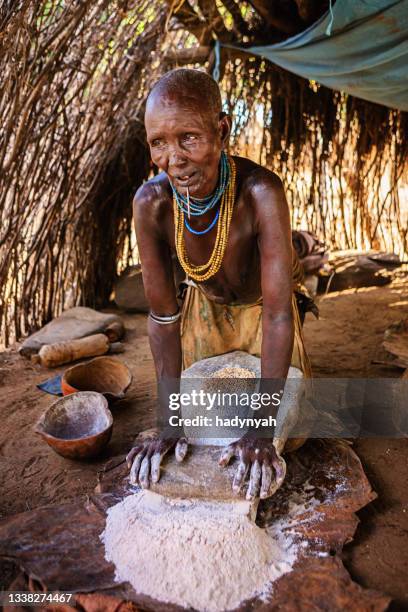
(209, 329)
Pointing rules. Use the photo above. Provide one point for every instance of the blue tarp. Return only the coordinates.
(359, 47)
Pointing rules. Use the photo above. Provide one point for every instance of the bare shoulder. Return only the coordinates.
(257, 181)
(263, 191)
(153, 199)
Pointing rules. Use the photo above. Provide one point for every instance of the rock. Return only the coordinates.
(351, 270)
(75, 323)
(207, 368)
(312, 252)
(204, 375)
(129, 289)
(198, 477)
(396, 341)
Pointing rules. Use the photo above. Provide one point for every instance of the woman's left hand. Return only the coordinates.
(258, 457)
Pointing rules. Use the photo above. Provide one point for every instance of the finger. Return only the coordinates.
(254, 480)
(267, 474)
(181, 449)
(134, 472)
(132, 454)
(155, 467)
(279, 469)
(226, 455)
(144, 472)
(240, 475)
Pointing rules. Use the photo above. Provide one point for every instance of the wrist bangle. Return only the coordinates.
(165, 319)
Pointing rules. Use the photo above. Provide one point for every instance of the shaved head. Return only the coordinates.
(185, 85)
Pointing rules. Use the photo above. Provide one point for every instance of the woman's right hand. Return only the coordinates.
(145, 458)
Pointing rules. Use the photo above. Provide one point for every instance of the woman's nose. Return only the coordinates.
(177, 159)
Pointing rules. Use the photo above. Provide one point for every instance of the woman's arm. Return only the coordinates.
(149, 208)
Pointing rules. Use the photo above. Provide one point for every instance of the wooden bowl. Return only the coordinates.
(77, 426)
(105, 375)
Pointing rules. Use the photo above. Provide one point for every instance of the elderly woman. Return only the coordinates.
(227, 220)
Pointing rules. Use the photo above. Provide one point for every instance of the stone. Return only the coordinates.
(72, 324)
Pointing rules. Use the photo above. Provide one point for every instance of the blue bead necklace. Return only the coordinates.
(206, 230)
(199, 206)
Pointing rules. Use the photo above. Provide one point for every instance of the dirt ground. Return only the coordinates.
(342, 343)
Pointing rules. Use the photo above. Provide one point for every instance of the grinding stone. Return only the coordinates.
(199, 479)
(198, 476)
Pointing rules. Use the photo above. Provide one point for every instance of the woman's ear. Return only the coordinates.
(224, 126)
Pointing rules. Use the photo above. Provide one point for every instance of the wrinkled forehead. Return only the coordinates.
(189, 105)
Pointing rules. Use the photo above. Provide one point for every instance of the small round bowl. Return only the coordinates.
(77, 426)
(105, 375)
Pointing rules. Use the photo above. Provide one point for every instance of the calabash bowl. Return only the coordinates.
(104, 374)
(77, 426)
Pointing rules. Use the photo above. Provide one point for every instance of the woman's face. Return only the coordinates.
(186, 141)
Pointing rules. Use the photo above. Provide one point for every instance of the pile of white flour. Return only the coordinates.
(193, 554)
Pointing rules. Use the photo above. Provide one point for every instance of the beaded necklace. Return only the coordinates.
(204, 231)
(199, 206)
(203, 272)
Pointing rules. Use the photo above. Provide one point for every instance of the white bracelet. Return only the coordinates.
(165, 319)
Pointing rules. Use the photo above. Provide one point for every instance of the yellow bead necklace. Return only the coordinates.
(204, 272)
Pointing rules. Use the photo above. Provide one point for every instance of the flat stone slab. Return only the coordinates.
(72, 324)
(197, 477)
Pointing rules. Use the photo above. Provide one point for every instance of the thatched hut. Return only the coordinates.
(74, 78)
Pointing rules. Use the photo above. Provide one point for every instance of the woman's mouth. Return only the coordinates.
(185, 180)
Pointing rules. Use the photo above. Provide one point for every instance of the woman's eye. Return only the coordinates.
(190, 137)
(156, 142)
